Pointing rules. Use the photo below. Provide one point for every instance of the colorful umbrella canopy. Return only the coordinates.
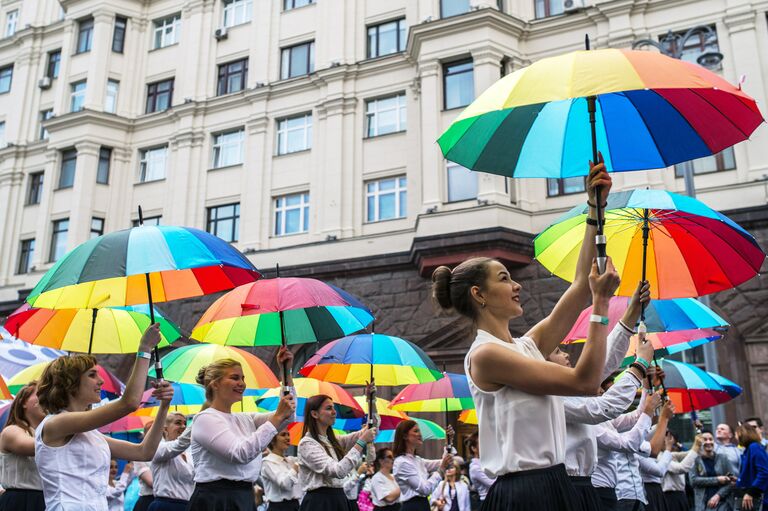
(247, 404)
(429, 431)
(310, 311)
(183, 394)
(355, 359)
(112, 387)
(389, 418)
(691, 388)
(653, 111)
(110, 270)
(692, 250)
(5, 393)
(665, 344)
(345, 404)
(129, 423)
(108, 330)
(16, 354)
(448, 394)
(5, 411)
(182, 364)
(468, 416)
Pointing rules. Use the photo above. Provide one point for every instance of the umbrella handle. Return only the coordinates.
(600, 239)
(158, 364)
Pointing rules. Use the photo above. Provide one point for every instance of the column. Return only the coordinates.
(255, 194)
(11, 180)
(433, 164)
(186, 169)
(99, 60)
(83, 191)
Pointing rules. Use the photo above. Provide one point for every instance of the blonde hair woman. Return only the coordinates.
(226, 447)
(72, 456)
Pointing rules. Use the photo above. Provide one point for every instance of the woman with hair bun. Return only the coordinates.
(515, 389)
(18, 471)
(227, 447)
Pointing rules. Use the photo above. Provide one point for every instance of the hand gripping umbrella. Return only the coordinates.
(643, 109)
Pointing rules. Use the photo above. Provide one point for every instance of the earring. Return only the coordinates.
(482, 305)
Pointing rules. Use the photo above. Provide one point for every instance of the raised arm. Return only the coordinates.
(169, 450)
(145, 450)
(15, 440)
(657, 441)
(212, 432)
(614, 402)
(407, 476)
(550, 331)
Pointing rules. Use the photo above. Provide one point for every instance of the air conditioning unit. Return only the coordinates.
(221, 33)
(574, 5)
(44, 82)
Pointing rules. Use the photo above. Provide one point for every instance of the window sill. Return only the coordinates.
(381, 57)
(63, 188)
(157, 111)
(139, 183)
(376, 222)
(718, 171)
(231, 93)
(163, 47)
(293, 153)
(225, 167)
(29, 204)
(566, 194)
(288, 235)
(455, 108)
(457, 201)
(81, 53)
(289, 78)
(299, 7)
(230, 27)
(383, 135)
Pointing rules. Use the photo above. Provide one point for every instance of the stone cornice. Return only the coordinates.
(336, 106)
(190, 137)
(87, 117)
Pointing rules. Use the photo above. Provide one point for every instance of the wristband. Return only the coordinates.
(642, 361)
(640, 369)
(596, 318)
(361, 444)
(591, 221)
(143, 354)
(604, 205)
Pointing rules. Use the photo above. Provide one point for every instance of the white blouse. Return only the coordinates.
(318, 469)
(280, 478)
(509, 418)
(229, 445)
(19, 472)
(140, 467)
(172, 470)
(480, 479)
(75, 475)
(116, 493)
(412, 474)
(381, 486)
(460, 494)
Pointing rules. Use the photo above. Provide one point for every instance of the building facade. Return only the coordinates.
(303, 131)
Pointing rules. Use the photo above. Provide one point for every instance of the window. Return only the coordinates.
(68, 167)
(118, 35)
(148, 220)
(102, 171)
(233, 77)
(224, 222)
(565, 186)
(167, 31)
(44, 116)
(293, 4)
(3, 143)
(462, 183)
(453, 7)
(386, 38)
(35, 190)
(724, 160)
(159, 96)
(77, 96)
(84, 35)
(291, 214)
(545, 8)
(6, 76)
(54, 60)
(59, 239)
(152, 164)
(237, 12)
(385, 115)
(228, 148)
(386, 199)
(297, 60)
(294, 134)
(110, 99)
(26, 252)
(11, 20)
(458, 84)
(97, 227)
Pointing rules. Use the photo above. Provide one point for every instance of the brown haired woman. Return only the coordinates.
(385, 492)
(280, 475)
(412, 472)
(18, 471)
(753, 477)
(226, 447)
(516, 391)
(326, 461)
(72, 457)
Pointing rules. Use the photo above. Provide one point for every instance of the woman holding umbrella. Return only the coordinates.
(18, 471)
(514, 388)
(72, 457)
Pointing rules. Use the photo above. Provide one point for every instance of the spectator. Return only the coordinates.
(757, 423)
(753, 478)
(725, 443)
(709, 477)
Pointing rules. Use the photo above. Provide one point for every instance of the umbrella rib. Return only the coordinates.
(695, 91)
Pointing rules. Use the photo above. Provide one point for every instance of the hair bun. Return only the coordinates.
(441, 286)
(201, 375)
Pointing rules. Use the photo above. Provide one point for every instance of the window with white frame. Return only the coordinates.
(167, 31)
(453, 7)
(462, 183)
(152, 164)
(385, 115)
(297, 60)
(292, 214)
(11, 21)
(294, 134)
(386, 38)
(237, 12)
(77, 96)
(565, 186)
(110, 99)
(385, 199)
(44, 116)
(224, 221)
(6, 77)
(228, 148)
(58, 239)
(148, 220)
(293, 4)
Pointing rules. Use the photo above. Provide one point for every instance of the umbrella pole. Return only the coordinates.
(158, 364)
(283, 341)
(600, 240)
(448, 445)
(371, 398)
(93, 327)
(694, 417)
(642, 328)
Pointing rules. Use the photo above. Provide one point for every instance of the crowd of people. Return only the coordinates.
(552, 435)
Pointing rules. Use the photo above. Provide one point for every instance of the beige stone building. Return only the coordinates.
(304, 132)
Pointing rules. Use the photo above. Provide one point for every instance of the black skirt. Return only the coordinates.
(676, 501)
(143, 503)
(415, 504)
(167, 504)
(22, 500)
(655, 497)
(608, 499)
(544, 489)
(391, 507)
(326, 499)
(285, 505)
(587, 493)
(222, 495)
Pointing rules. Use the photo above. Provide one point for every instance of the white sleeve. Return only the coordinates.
(213, 433)
(284, 479)
(169, 450)
(478, 475)
(463, 494)
(629, 442)
(614, 402)
(682, 467)
(120, 485)
(261, 418)
(616, 348)
(438, 492)
(313, 456)
(407, 476)
(627, 421)
(655, 467)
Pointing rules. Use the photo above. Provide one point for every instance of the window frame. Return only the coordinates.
(401, 26)
(119, 31)
(9, 70)
(11, 23)
(231, 6)
(447, 74)
(53, 66)
(99, 231)
(211, 223)
(75, 93)
(548, 11)
(144, 163)
(442, 10)
(26, 254)
(217, 152)
(561, 186)
(54, 238)
(303, 207)
(450, 165)
(225, 73)
(285, 65)
(103, 169)
(160, 26)
(294, 6)
(67, 156)
(282, 134)
(153, 95)
(35, 184)
(402, 106)
(108, 95)
(720, 164)
(400, 192)
(44, 135)
(148, 220)
(85, 27)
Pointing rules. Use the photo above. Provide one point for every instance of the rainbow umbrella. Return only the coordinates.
(448, 394)
(345, 404)
(388, 418)
(5, 393)
(107, 330)
(183, 394)
(686, 248)
(128, 424)
(468, 416)
(429, 431)
(16, 354)
(112, 387)
(248, 404)
(182, 364)
(691, 388)
(5, 411)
